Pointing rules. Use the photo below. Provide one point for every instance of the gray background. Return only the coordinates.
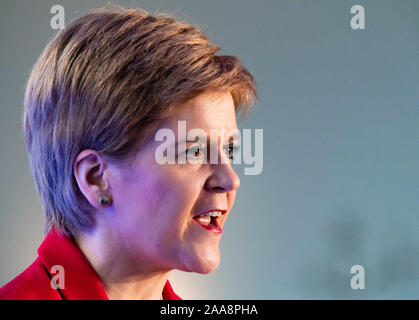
(339, 109)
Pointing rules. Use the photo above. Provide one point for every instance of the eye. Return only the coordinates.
(194, 153)
(231, 150)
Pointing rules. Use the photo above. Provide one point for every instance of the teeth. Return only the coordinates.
(216, 214)
(211, 214)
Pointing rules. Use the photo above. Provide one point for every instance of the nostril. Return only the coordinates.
(222, 179)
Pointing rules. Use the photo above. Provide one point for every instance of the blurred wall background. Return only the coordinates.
(339, 110)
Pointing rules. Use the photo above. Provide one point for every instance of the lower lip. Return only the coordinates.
(216, 229)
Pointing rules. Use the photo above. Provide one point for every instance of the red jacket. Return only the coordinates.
(81, 280)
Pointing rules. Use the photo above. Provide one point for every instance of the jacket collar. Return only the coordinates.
(81, 280)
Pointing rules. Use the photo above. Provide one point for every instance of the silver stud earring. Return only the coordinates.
(104, 200)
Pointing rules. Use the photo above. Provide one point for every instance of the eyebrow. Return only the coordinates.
(235, 136)
(205, 139)
(197, 138)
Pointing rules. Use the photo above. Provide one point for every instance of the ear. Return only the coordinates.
(89, 171)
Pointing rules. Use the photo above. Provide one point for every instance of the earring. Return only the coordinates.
(104, 200)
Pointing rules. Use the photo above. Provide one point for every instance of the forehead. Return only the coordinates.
(210, 110)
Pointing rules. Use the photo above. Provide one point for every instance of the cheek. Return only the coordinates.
(174, 203)
(160, 201)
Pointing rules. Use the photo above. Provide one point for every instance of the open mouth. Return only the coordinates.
(210, 220)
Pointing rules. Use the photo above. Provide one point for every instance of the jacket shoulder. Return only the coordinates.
(32, 284)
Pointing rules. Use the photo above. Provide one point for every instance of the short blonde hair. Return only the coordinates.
(102, 83)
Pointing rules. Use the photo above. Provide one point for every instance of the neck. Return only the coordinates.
(122, 277)
(141, 287)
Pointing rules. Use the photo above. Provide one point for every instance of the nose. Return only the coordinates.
(222, 179)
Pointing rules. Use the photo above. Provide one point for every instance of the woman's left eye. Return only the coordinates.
(231, 150)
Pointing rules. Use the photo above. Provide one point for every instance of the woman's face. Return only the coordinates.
(154, 205)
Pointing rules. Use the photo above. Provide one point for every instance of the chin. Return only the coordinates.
(204, 262)
(207, 267)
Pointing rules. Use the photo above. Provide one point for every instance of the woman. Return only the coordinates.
(117, 220)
